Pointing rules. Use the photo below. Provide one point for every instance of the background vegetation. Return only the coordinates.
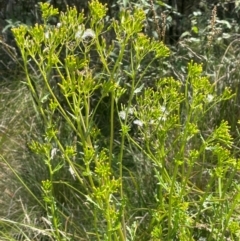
(108, 135)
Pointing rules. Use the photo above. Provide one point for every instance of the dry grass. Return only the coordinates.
(17, 122)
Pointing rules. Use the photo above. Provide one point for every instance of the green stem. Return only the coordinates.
(234, 202)
(111, 128)
(170, 205)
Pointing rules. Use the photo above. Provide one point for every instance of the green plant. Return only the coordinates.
(172, 136)
(90, 163)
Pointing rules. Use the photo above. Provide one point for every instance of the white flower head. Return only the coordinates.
(131, 111)
(210, 98)
(59, 25)
(163, 109)
(47, 35)
(164, 113)
(138, 123)
(151, 122)
(88, 33)
(122, 114)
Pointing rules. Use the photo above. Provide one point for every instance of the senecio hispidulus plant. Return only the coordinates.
(85, 195)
